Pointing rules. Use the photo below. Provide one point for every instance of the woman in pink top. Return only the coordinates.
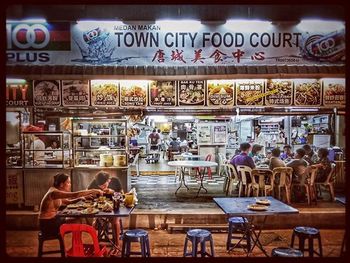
(57, 195)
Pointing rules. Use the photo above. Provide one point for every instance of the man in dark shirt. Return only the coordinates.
(243, 158)
(154, 140)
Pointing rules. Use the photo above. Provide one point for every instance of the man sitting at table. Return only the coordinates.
(275, 160)
(299, 166)
(287, 152)
(310, 156)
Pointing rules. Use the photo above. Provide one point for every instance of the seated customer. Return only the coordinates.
(57, 195)
(287, 153)
(255, 153)
(299, 166)
(323, 165)
(310, 156)
(243, 158)
(275, 160)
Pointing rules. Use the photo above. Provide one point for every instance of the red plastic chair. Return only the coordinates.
(79, 249)
(207, 158)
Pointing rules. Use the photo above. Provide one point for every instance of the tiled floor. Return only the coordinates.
(171, 180)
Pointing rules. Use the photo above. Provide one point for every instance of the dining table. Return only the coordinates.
(192, 164)
(240, 207)
(104, 218)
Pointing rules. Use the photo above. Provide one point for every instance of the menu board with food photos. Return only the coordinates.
(249, 92)
(279, 92)
(307, 92)
(162, 93)
(19, 93)
(104, 92)
(75, 93)
(46, 93)
(220, 93)
(334, 92)
(191, 93)
(133, 93)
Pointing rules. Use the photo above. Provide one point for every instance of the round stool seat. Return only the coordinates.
(198, 233)
(286, 252)
(306, 230)
(238, 220)
(135, 233)
(196, 237)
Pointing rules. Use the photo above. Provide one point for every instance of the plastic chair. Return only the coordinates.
(79, 249)
(222, 161)
(308, 183)
(207, 158)
(329, 183)
(231, 177)
(42, 238)
(284, 174)
(136, 164)
(177, 169)
(242, 177)
(243, 170)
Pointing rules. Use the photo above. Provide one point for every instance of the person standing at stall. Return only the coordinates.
(259, 137)
(153, 140)
(57, 195)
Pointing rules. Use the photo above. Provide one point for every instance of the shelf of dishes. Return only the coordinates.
(101, 160)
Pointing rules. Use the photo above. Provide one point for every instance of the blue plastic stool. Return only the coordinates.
(196, 237)
(286, 252)
(307, 233)
(42, 238)
(238, 225)
(136, 235)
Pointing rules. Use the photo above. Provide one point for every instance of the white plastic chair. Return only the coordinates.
(136, 164)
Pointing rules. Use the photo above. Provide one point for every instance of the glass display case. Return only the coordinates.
(47, 149)
(100, 143)
(13, 140)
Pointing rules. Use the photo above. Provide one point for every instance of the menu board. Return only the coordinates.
(307, 92)
(191, 93)
(104, 92)
(75, 93)
(19, 93)
(162, 93)
(279, 92)
(333, 92)
(220, 93)
(133, 93)
(46, 93)
(249, 92)
(219, 134)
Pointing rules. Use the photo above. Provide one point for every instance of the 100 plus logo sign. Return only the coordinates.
(24, 36)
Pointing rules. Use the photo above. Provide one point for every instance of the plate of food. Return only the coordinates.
(90, 210)
(257, 207)
(73, 206)
(262, 201)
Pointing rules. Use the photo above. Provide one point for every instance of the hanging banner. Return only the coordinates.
(104, 93)
(307, 92)
(334, 92)
(191, 93)
(46, 93)
(175, 43)
(75, 93)
(133, 93)
(279, 92)
(162, 93)
(220, 93)
(19, 93)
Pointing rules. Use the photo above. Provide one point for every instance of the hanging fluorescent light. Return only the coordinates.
(320, 25)
(303, 110)
(184, 118)
(248, 25)
(88, 24)
(158, 118)
(28, 20)
(179, 25)
(16, 81)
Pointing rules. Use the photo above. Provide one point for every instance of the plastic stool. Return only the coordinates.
(136, 235)
(309, 233)
(238, 225)
(199, 236)
(42, 238)
(286, 252)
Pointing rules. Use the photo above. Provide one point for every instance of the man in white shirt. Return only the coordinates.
(259, 137)
(39, 150)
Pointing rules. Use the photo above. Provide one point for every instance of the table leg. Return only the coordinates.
(182, 179)
(255, 237)
(103, 226)
(201, 177)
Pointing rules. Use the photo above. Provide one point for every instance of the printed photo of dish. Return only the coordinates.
(282, 92)
(220, 94)
(104, 94)
(308, 93)
(162, 93)
(249, 94)
(191, 96)
(133, 94)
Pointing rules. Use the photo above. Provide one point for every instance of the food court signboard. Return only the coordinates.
(133, 93)
(220, 93)
(334, 92)
(307, 92)
(162, 93)
(75, 93)
(250, 92)
(19, 93)
(191, 93)
(279, 92)
(104, 93)
(175, 43)
(46, 93)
